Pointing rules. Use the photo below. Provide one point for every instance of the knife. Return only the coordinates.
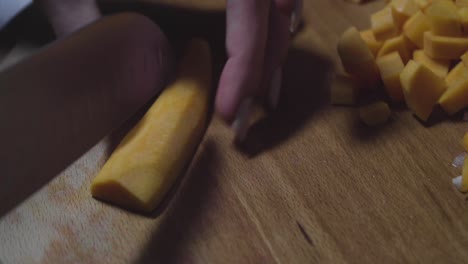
(10, 8)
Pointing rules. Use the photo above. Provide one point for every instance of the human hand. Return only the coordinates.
(257, 41)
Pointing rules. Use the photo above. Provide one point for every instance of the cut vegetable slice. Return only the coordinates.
(375, 114)
(152, 155)
(443, 18)
(383, 24)
(357, 58)
(391, 66)
(372, 43)
(400, 44)
(422, 88)
(402, 10)
(456, 96)
(440, 47)
(415, 27)
(439, 67)
(456, 74)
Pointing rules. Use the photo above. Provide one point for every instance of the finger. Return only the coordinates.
(276, 51)
(247, 26)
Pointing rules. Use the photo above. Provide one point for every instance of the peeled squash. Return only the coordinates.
(155, 152)
(439, 67)
(422, 88)
(456, 97)
(390, 67)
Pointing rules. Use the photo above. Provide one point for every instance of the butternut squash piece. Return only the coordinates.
(384, 25)
(357, 58)
(391, 66)
(402, 10)
(440, 47)
(439, 67)
(443, 18)
(153, 154)
(400, 44)
(422, 88)
(456, 96)
(415, 27)
(456, 74)
(375, 114)
(372, 43)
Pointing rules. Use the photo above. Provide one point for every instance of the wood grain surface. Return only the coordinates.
(311, 185)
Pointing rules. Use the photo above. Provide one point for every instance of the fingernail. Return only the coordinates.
(457, 182)
(295, 16)
(275, 89)
(241, 123)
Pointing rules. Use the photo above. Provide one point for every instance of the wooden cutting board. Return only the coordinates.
(313, 185)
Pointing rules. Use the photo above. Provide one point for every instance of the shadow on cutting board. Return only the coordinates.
(305, 92)
(182, 217)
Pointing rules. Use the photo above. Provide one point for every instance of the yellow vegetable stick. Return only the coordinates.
(440, 47)
(422, 88)
(154, 153)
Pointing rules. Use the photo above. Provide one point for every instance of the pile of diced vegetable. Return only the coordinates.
(417, 50)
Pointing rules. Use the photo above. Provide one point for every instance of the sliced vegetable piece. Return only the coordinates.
(384, 25)
(391, 66)
(456, 96)
(154, 153)
(372, 43)
(422, 88)
(415, 27)
(443, 18)
(441, 47)
(357, 58)
(438, 66)
(456, 74)
(400, 44)
(403, 10)
(375, 114)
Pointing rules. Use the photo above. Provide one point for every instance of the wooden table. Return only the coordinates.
(313, 185)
